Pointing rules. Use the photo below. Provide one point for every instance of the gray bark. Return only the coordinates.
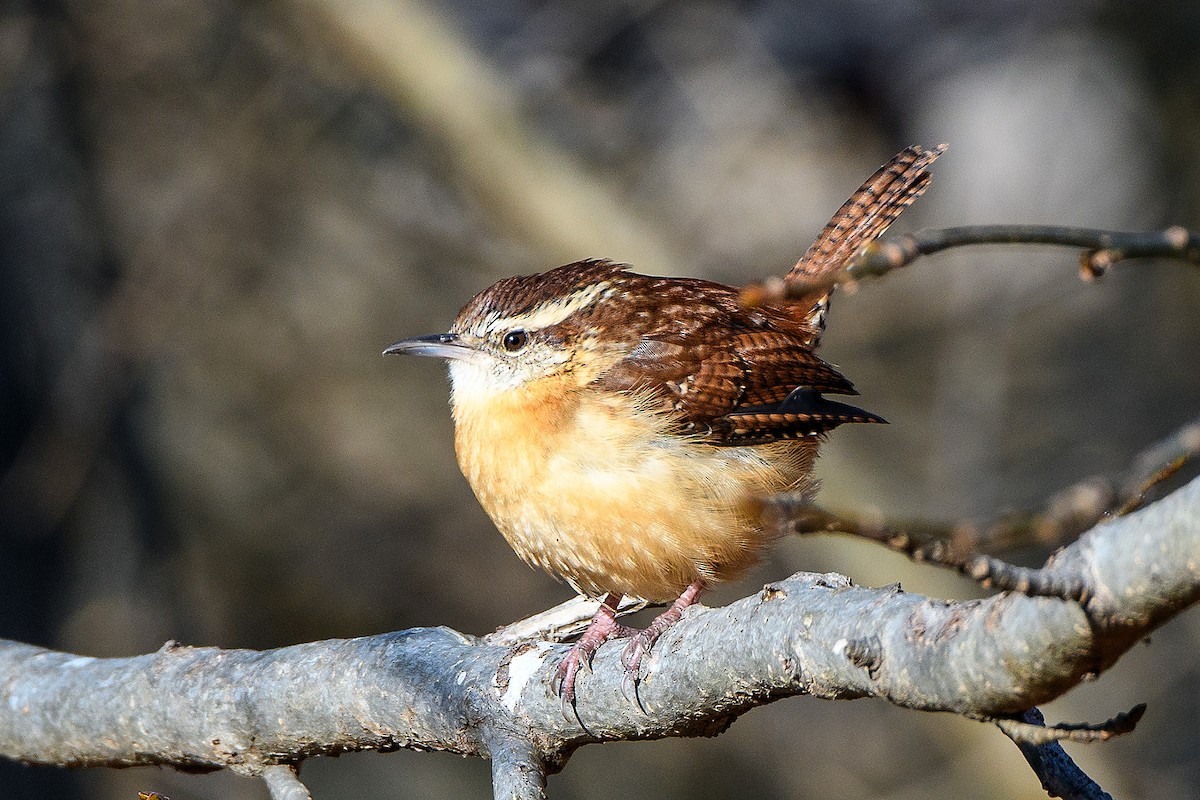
(434, 688)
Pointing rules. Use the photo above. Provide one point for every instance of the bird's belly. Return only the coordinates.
(632, 509)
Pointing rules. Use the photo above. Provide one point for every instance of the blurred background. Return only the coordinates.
(214, 215)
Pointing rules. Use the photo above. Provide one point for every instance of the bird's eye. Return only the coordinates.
(515, 340)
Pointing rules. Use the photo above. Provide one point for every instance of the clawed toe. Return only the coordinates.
(631, 660)
(564, 681)
(600, 629)
(603, 627)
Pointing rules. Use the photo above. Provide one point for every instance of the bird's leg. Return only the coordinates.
(643, 640)
(603, 626)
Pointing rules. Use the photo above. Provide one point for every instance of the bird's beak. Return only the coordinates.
(439, 345)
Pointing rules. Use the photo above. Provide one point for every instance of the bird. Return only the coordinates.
(623, 430)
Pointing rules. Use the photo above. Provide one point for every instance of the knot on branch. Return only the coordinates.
(865, 653)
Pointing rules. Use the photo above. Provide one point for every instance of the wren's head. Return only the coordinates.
(528, 327)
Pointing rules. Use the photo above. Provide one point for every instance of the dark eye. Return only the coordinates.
(515, 340)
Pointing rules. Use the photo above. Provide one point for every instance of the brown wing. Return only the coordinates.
(735, 376)
(862, 219)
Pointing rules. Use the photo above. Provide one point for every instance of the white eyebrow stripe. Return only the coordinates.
(556, 311)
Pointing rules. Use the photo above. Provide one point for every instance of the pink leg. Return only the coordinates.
(603, 626)
(641, 643)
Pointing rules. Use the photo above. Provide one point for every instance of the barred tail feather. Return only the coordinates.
(861, 220)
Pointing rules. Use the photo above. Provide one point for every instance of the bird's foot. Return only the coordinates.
(643, 640)
(604, 626)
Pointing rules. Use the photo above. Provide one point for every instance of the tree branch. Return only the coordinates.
(284, 783)
(1058, 772)
(1102, 249)
(959, 545)
(434, 688)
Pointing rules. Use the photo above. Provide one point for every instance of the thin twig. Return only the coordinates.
(1023, 731)
(1101, 249)
(796, 515)
(1157, 462)
(559, 623)
(958, 545)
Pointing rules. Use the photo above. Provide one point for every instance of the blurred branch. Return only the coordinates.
(468, 109)
(960, 545)
(433, 688)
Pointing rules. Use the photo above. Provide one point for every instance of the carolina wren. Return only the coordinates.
(621, 429)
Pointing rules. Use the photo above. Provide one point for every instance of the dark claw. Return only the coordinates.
(600, 629)
(629, 687)
(564, 683)
(631, 659)
(629, 690)
(604, 626)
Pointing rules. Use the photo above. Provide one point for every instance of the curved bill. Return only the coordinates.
(439, 345)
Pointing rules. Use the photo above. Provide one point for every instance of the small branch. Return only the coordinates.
(283, 783)
(1101, 249)
(1057, 771)
(517, 771)
(1037, 734)
(927, 543)
(557, 624)
(957, 545)
(1157, 463)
